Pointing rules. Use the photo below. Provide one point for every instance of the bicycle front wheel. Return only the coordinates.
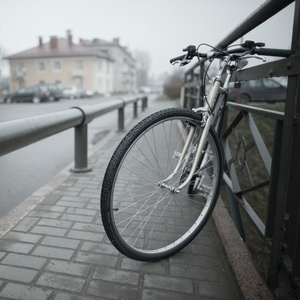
(143, 218)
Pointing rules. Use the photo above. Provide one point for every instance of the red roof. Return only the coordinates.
(58, 47)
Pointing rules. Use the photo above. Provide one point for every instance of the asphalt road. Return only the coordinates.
(23, 171)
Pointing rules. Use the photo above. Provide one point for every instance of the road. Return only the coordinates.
(23, 171)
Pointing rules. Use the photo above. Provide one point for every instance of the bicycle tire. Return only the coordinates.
(143, 220)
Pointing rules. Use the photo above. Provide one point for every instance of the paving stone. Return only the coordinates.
(68, 268)
(62, 282)
(26, 224)
(55, 223)
(51, 208)
(85, 212)
(24, 261)
(68, 193)
(44, 214)
(49, 230)
(51, 199)
(86, 235)
(146, 267)
(70, 204)
(75, 199)
(16, 247)
(18, 291)
(171, 284)
(224, 292)
(155, 295)
(60, 242)
(113, 275)
(62, 296)
(52, 252)
(17, 274)
(97, 259)
(22, 237)
(99, 248)
(77, 218)
(87, 227)
(112, 290)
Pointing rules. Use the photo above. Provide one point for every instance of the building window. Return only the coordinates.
(20, 67)
(100, 84)
(107, 66)
(99, 65)
(79, 64)
(56, 66)
(41, 66)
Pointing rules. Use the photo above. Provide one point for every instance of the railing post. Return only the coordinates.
(135, 109)
(144, 103)
(81, 150)
(121, 118)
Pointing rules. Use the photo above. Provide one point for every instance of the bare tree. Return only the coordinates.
(143, 60)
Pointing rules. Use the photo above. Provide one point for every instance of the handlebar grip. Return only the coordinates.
(179, 58)
(272, 52)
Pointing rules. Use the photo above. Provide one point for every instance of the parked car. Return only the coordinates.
(35, 94)
(71, 92)
(55, 90)
(261, 90)
(86, 94)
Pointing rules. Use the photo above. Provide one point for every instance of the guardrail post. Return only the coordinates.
(144, 103)
(135, 109)
(121, 118)
(81, 150)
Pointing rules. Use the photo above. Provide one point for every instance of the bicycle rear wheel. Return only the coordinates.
(142, 219)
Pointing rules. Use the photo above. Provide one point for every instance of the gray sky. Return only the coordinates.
(161, 27)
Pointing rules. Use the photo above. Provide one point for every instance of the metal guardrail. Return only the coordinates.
(280, 227)
(20, 133)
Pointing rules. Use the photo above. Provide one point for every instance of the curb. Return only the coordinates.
(250, 282)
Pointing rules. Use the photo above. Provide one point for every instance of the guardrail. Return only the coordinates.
(279, 228)
(20, 133)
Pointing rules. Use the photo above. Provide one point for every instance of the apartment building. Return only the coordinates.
(104, 67)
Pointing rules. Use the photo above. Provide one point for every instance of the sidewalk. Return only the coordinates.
(53, 246)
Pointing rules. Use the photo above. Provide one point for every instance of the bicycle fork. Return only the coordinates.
(199, 150)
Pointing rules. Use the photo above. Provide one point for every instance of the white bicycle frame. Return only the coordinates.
(206, 113)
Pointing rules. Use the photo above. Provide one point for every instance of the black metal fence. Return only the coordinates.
(279, 167)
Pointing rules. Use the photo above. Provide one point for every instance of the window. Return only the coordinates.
(79, 64)
(99, 65)
(20, 67)
(56, 66)
(107, 66)
(41, 66)
(100, 84)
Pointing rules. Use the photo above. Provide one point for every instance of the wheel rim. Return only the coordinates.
(151, 219)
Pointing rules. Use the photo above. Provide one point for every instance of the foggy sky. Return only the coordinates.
(161, 27)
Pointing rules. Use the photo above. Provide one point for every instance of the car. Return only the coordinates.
(261, 90)
(71, 92)
(35, 94)
(55, 90)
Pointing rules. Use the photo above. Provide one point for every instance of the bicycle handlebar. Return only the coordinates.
(249, 47)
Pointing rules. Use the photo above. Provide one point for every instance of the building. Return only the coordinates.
(102, 67)
(124, 68)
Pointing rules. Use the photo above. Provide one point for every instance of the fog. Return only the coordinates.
(161, 27)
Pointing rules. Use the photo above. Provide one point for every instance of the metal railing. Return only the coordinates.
(279, 228)
(20, 133)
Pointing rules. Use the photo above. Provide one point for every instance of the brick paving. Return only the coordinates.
(57, 249)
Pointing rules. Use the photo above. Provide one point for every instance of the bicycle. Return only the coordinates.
(163, 180)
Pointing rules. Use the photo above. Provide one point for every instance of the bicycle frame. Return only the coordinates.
(208, 116)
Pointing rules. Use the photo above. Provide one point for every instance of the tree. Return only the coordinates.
(143, 60)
